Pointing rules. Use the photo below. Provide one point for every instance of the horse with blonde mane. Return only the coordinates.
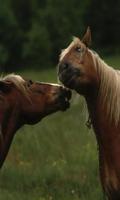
(26, 102)
(84, 71)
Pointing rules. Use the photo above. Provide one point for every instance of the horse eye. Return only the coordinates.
(30, 82)
(78, 49)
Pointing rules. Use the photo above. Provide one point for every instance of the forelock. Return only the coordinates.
(74, 42)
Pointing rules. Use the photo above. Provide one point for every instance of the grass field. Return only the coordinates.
(55, 159)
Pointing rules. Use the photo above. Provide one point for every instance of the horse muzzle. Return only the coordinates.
(68, 74)
(64, 98)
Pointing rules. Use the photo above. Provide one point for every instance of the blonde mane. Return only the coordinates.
(18, 81)
(109, 92)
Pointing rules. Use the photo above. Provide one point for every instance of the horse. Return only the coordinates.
(24, 101)
(82, 70)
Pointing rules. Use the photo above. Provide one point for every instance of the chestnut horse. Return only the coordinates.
(26, 102)
(84, 71)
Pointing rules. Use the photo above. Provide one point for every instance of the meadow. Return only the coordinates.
(56, 159)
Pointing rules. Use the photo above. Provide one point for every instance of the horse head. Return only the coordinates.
(76, 65)
(32, 100)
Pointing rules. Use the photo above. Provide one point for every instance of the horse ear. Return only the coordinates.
(87, 37)
(5, 86)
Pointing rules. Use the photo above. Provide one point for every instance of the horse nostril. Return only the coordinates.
(63, 66)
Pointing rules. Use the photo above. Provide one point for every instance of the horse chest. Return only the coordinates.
(108, 139)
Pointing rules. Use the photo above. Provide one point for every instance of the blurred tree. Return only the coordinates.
(9, 35)
(3, 56)
(37, 48)
(34, 31)
(23, 12)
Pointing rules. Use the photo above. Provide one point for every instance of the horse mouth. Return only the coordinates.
(64, 99)
(68, 81)
(69, 75)
(65, 104)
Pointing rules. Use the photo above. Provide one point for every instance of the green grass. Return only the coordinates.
(55, 159)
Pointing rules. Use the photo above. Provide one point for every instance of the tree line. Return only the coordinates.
(32, 32)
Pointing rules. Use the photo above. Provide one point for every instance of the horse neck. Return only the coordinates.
(108, 88)
(104, 111)
(103, 102)
(9, 125)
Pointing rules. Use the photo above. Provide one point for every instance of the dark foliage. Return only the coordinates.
(32, 32)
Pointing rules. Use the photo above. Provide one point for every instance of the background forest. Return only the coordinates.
(33, 32)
